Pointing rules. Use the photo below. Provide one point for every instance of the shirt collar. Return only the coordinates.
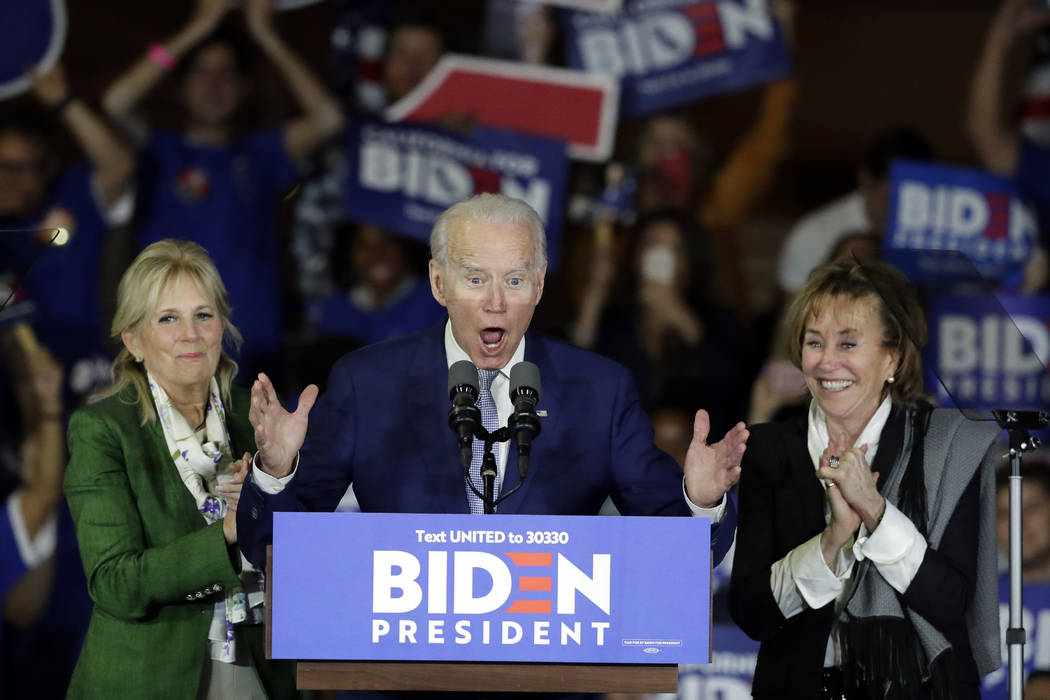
(454, 353)
(818, 439)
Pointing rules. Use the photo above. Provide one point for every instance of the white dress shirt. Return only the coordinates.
(802, 578)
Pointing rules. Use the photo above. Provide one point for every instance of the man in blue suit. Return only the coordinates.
(381, 425)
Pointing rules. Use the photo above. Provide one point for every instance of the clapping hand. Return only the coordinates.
(853, 479)
(711, 470)
(278, 433)
(230, 489)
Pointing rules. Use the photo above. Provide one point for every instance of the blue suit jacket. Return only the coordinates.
(382, 425)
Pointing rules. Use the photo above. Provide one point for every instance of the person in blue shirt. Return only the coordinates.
(212, 181)
(56, 223)
(42, 587)
(384, 299)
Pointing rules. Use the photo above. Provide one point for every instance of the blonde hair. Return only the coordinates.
(898, 310)
(160, 264)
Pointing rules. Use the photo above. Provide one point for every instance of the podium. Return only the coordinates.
(341, 671)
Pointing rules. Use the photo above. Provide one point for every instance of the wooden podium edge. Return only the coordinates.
(462, 675)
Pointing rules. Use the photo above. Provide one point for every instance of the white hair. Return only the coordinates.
(489, 208)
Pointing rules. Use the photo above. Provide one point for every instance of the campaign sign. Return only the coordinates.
(402, 176)
(35, 32)
(734, 656)
(986, 359)
(669, 52)
(556, 103)
(507, 588)
(937, 207)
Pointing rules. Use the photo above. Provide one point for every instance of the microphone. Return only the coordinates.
(464, 417)
(524, 424)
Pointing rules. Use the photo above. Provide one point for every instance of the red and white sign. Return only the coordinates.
(577, 107)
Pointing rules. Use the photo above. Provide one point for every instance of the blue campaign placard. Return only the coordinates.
(677, 51)
(987, 359)
(938, 207)
(1035, 618)
(730, 673)
(402, 176)
(507, 588)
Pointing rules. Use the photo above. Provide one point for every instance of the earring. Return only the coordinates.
(891, 380)
(138, 358)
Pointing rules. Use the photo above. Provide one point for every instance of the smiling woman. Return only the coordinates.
(865, 551)
(153, 484)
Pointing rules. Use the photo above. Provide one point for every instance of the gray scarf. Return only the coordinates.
(955, 449)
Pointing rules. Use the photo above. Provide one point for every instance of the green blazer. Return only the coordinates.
(151, 560)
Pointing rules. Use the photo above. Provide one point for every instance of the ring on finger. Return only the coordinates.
(833, 462)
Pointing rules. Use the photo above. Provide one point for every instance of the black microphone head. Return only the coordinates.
(462, 376)
(524, 375)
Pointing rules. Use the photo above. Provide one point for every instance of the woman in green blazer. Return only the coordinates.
(153, 488)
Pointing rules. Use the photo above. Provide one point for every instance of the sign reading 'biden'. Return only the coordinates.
(402, 176)
(669, 52)
(499, 588)
(935, 207)
(989, 359)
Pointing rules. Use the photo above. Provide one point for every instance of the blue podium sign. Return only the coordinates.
(506, 588)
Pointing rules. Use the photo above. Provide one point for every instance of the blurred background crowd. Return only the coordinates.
(230, 123)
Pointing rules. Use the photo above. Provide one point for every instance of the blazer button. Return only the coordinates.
(255, 513)
(189, 596)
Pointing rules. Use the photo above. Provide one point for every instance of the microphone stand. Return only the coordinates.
(1017, 424)
(489, 470)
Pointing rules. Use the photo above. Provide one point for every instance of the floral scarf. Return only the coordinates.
(202, 465)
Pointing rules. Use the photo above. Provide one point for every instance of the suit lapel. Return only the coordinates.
(536, 351)
(171, 490)
(803, 471)
(891, 442)
(242, 435)
(429, 403)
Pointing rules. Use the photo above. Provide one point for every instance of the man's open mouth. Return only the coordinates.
(492, 338)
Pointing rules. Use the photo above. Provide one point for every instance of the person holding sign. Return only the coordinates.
(1001, 146)
(865, 561)
(214, 181)
(153, 488)
(382, 424)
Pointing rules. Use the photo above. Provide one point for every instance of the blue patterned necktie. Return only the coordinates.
(490, 421)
